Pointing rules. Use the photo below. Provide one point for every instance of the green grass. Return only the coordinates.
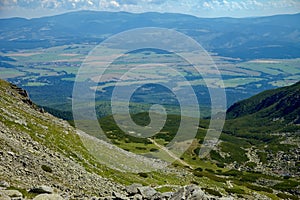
(6, 73)
(211, 176)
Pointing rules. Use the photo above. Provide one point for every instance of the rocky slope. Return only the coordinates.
(42, 157)
(25, 159)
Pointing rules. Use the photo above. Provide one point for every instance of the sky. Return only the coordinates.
(200, 8)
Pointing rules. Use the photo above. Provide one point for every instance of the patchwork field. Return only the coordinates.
(46, 70)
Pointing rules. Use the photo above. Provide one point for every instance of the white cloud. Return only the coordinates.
(115, 4)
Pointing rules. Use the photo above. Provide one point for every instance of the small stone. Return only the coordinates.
(42, 190)
(12, 193)
(11, 153)
(137, 197)
(107, 198)
(4, 184)
(48, 197)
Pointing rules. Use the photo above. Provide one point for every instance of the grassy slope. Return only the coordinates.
(270, 111)
(206, 173)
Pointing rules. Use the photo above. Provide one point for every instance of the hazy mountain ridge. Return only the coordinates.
(247, 38)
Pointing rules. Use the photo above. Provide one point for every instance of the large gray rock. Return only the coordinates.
(4, 184)
(48, 197)
(4, 196)
(157, 196)
(167, 195)
(119, 196)
(147, 192)
(178, 195)
(12, 193)
(42, 190)
(133, 189)
(191, 192)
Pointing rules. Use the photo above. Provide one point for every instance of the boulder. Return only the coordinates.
(4, 184)
(119, 196)
(133, 189)
(166, 195)
(178, 195)
(4, 196)
(42, 190)
(147, 192)
(12, 193)
(191, 192)
(48, 197)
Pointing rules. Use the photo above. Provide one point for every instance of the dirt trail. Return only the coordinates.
(170, 153)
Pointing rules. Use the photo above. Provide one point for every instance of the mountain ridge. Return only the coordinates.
(267, 99)
(270, 37)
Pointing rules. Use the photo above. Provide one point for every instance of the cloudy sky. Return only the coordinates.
(201, 8)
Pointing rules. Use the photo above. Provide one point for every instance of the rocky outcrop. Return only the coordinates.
(139, 192)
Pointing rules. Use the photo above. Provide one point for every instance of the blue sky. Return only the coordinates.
(201, 8)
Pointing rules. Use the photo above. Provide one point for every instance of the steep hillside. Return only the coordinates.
(39, 149)
(43, 157)
(42, 154)
(272, 110)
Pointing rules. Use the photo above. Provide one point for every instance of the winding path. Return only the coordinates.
(169, 153)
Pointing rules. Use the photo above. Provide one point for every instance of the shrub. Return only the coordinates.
(221, 165)
(233, 172)
(153, 149)
(235, 191)
(285, 185)
(199, 169)
(286, 196)
(251, 165)
(46, 168)
(141, 148)
(142, 174)
(213, 192)
(198, 174)
(209, 170)
(194, 182)
(259, 188)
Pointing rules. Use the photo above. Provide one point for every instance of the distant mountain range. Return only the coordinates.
(245, 38)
